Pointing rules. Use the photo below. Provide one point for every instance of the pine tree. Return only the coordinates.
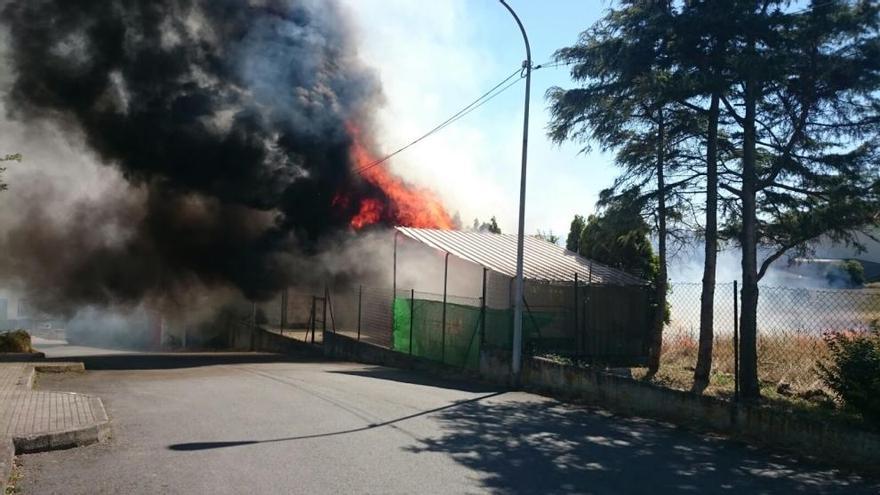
(624, 104)
(806, 110)
(574, 233)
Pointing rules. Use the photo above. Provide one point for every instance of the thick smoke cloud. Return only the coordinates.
(229, 119)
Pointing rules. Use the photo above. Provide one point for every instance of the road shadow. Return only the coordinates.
(196, 446)
(165, 361)
(417, 378)
(548, 447)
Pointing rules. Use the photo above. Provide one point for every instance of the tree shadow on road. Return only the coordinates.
(548, 447)
(195, 446)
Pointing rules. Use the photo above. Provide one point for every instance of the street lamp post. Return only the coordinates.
(516, 361)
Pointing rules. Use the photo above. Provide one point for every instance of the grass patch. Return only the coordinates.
(785, 360)
(786, 371)
(15, 341)
(14, 477)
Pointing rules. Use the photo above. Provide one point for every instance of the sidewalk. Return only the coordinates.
(37, 421)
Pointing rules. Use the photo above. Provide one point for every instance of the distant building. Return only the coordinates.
(828, 261)
(834, 272)
(828, 250)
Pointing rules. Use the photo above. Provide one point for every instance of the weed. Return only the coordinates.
(15, 341)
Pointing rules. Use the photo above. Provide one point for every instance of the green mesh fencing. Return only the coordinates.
(418, 329)
(499, 329)
(544, 331)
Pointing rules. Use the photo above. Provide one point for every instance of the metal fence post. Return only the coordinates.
(283, 317)
(360, 298)
(483, 311)
(394, 267)
(443, 324)
(253, 325)
(412, 317)
(394, 286)
(591, 340)
(312, 317)
(735, 341)
(577, 334)
(330, 306)
(323, 317)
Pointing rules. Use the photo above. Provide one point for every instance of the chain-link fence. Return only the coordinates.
(604, 323)
(298, 314)
(791, 323)
(364, 313)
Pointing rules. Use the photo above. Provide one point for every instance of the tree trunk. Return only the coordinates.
(661, 283)
(707, 297)
(749, 386)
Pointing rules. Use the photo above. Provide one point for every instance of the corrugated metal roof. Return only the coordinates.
(542, 261)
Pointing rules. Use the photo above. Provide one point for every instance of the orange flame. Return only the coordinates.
(410, 206)
(370, 213)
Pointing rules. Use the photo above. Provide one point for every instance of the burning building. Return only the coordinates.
(242, 132)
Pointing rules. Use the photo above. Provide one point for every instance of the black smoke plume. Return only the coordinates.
(230, 117)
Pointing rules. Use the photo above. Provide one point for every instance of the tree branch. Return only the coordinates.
(693, 107)
(775, 256)
(731, 189)
(798, 190)
(732, 111)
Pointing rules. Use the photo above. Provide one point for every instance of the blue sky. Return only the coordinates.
(435, 57)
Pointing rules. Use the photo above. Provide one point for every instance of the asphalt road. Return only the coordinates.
(250, 423)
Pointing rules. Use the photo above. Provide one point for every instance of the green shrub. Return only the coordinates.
(15, 341)
(856, 272)
(853, 370)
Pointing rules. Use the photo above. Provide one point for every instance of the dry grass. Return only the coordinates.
(14, 477)
(786, 361)
(786, 370)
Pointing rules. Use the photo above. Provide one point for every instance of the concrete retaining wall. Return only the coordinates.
(338, 346)
(257, 339)
(17, 357)
(760, 424)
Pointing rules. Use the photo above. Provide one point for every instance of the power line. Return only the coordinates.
(495, 91)
(483, 99)
(551, 64)
(511, 83)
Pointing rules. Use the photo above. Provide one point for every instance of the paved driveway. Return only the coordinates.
(262, 424)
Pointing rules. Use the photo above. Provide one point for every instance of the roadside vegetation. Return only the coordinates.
(833, 377)
(15, 341)
(14, 477)
(14, 157)
(852, 371)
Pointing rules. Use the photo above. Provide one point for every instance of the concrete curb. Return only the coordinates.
(54, 440)
(18, 357)
(52, 368)
(7, 453)
(67, 439)
(59, 368)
